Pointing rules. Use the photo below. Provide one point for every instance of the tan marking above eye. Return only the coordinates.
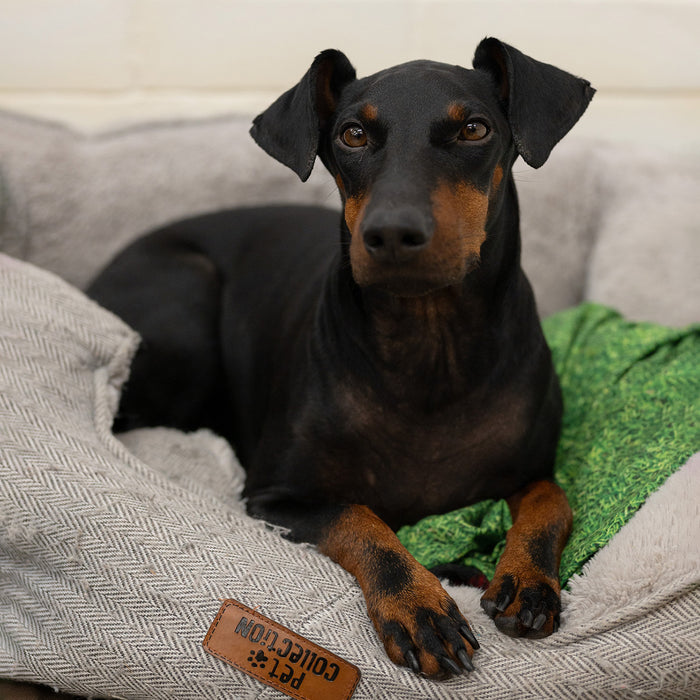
(354, 136)
(369, 112)
(473, 131)
(456, 112)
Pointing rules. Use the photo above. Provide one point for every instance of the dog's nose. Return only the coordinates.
(396, 234)
(394, 244)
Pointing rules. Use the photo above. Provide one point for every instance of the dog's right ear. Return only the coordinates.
(290, 128)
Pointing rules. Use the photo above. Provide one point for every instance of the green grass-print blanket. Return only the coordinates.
(631, 418)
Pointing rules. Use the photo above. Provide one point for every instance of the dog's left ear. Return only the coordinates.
(543, 102)
(290, 128)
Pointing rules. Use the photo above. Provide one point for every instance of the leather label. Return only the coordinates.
(277, 656)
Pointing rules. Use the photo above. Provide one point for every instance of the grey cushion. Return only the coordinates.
(70, 201)
(614, 224)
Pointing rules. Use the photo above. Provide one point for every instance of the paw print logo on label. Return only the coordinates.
(258, 659)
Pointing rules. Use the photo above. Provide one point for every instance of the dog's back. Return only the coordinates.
(193, 290)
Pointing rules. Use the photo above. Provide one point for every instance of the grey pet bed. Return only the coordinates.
(115, 553)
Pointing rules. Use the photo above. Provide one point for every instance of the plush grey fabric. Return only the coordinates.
(114, 555)
(68, 202)
(614, 224)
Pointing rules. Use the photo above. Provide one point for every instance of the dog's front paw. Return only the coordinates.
(523, 606)
(421, 627)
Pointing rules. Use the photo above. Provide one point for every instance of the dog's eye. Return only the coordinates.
(354, 136)
(473, 131)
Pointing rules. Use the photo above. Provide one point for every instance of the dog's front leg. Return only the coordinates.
(523, 596)
(416, 620)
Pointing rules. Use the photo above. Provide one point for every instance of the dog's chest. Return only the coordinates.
(407, 462)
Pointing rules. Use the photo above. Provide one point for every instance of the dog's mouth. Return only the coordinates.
(413, 280)
(410, 286)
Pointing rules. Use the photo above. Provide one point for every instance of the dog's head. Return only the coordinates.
(422, 153)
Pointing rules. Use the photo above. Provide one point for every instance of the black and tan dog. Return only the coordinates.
(395, 371)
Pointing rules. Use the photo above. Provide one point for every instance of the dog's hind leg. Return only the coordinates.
(176, 376)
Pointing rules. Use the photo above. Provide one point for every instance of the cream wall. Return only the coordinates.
(99, 63)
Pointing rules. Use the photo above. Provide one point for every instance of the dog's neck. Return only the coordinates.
(451, 334)
(414, 338)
